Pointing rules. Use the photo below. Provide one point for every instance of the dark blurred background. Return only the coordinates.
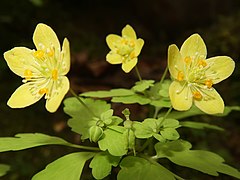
(86, 24)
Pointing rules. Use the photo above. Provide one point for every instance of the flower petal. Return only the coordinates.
(44, 37)
(211, 106)
(129, 65)
(112, 40)
(114, 58)
(220, 68)
(66, 57)
(175, 61)
(22, 97)
(180, 96)
(138, 46)
(129, 32)
(193, 46)
(54, 102)
(19, 59)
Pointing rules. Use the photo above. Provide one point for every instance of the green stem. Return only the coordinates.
(151, 147)
(138, 74)
(165, 116)
(144, 145)
(169, 110)
(157, 109)
(164, 75)
(83, 104)
(84, 147)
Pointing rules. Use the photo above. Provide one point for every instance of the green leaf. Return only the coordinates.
(207, 162)
(162, 102)
(170, 134)
(102, 163)
(200, 125)
(29, 140)
(169, 123)
(195, 111)
(146, 128)
(4, 169)
(166, 149)
(164, 88)
(116, 120)
(136, 168)
(142, 85)
(132, 99)
(114, 141)
(111, 93)
(82, 119)
(67, 167)
(159, 137)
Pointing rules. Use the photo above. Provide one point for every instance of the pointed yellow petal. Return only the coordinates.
(180, 96)
(44, 37)
(175, 61)
(129, 65)
(220, 68)
(66, 57)
(113, 58)
(112, 40)
(19, 59)
(54, 102)
(129, 32)
(22, 97)
(138, 46)
(211, 106)
(193, 46)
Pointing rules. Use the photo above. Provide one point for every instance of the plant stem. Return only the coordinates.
(164, 75)
(144, 145)
(165, 116)
(169, 110)
(83, 104)
(157, 109)
(84, 147)
(138, 74)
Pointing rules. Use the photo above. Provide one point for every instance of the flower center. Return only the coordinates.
(125, 48)
(195, 78)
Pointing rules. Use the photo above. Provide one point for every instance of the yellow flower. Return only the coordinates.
(124, 49)
(43, 70)
(194, 76)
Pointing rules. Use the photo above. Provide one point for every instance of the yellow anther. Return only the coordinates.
(50, 53)
(202, 63)
(180, 76)
(197, 95)
(187, 60)
(132, 43)
(132, 55)
(209, 83)
(55, 74)
(38, 54)
(28, 74)
(43, 91)
(124, 41)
